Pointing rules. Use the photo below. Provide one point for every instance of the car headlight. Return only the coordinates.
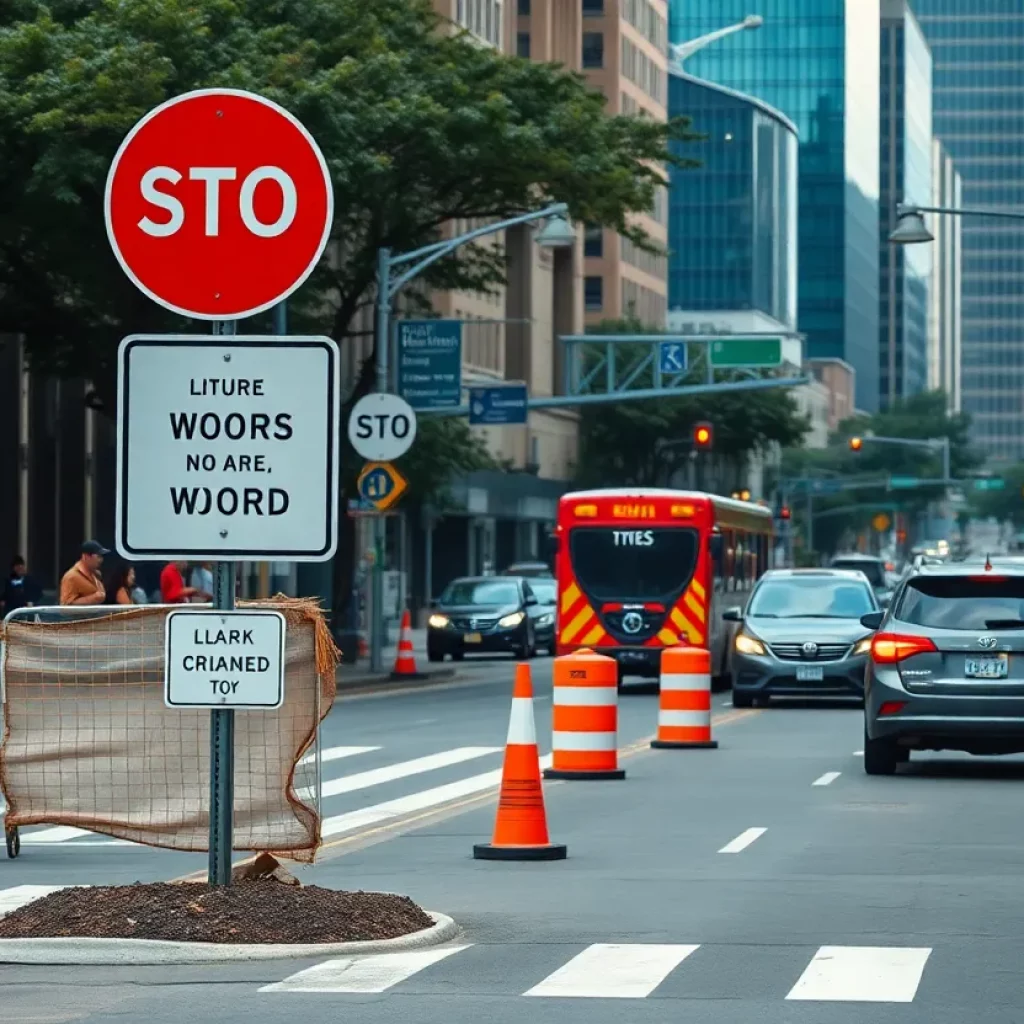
(545, 620)
(862, 646)
(511, 620)
(748, 645)
(438, 621)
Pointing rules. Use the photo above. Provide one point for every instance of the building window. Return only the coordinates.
(523, 44)
(592, 7)
(593, 241)
(593, 292)
(593, 49)
(524, 8)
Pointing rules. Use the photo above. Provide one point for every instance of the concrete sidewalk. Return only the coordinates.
(359, 674)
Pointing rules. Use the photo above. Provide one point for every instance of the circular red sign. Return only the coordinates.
(218, 204)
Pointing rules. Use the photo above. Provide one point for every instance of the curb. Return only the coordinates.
(385, 681)
(155, 953)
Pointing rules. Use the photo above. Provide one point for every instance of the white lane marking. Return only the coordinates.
(336, 753)
(403, 769)
(858, 753)
(827, 779)
(57, 834)
(43, 839)
(424, 800)
(862, 974)
(743, 840)
(613, 971)
(363, 974)
(21, 895)
(726, 703)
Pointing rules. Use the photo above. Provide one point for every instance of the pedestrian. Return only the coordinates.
(82, 583)
(202, 583)
(121, 585)
(172, 584)
(20, 589)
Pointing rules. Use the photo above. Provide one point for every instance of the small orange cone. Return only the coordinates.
(405, 660)
(364, 647)
(521, 828)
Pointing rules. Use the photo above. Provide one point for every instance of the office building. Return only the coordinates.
(623, 49)
(905, 271)
(733, 219)
(944, 319)
(817, 62)
(978, 52)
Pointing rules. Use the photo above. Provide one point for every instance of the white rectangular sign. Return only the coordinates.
(227, 448)
(224, 659)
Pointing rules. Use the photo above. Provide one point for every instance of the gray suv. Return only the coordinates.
(946, 670)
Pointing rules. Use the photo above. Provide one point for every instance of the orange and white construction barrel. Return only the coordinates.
(684, 706)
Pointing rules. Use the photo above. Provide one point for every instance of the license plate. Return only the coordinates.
(995, 666)
(809, 673)
(472, 638)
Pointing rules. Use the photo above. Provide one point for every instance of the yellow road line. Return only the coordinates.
(451, 810)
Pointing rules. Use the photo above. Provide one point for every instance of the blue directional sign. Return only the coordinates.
(498, 406)
(672, 356)
(430, 363)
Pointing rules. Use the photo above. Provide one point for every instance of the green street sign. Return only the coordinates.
(989, 483)
(753, 352)
(903, 482)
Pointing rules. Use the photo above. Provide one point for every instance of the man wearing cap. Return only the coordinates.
(82, 583)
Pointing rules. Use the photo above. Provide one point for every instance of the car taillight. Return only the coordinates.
(890, 648)
(891, 707)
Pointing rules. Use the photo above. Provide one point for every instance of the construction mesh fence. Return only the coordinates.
(88, 741)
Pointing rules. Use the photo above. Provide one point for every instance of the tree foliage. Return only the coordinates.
(645, 442)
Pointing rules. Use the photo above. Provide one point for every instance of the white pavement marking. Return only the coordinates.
(862, 974)
(336, 753)
(21, 895)
(613, 971)
(827, 779)
(421, 801)
(43, 839)
(57, 834)
(743, 840)
(403, 769)
(726, 703)
(363, 974)
(858, 753)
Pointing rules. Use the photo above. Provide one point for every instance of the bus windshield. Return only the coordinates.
(651, 564)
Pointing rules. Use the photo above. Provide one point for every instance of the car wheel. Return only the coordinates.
(434, 653)
(742, 700)
(881, 756)
(458, 655)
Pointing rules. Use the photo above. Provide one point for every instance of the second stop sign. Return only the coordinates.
(218, 204)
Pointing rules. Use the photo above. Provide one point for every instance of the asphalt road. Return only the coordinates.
(769, 880)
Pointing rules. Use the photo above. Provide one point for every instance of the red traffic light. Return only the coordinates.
(784, 512)
(703, 435)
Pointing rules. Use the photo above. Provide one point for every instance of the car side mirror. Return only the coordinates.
(531, 600)
(733, 615)
(872, 620)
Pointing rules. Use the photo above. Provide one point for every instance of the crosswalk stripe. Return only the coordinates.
(424, 800)
(363, 974)
(20, 895)
(403, 769)
(613, 971)
(862, 974)
(57, 834)
(337, 753)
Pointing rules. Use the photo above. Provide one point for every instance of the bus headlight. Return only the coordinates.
(748, 645)
(511, 620)
(438, 621)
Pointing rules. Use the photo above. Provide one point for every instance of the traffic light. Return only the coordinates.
(744, 495)
(703, 436)
(784, 512)
(856, 443)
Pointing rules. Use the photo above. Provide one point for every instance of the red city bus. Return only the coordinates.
(645, 568)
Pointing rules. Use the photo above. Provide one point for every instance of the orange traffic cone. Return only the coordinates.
(521, 828)
(364, 647)
(405, 660)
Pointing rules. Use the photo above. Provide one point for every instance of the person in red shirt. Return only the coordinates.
(172, 584)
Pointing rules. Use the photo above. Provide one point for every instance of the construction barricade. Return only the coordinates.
(585, 718)
(684, 705)
(89, 743)
(405, 656)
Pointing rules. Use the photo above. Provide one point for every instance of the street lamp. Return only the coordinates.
(911, 230)
(557, 233)
(678, 52)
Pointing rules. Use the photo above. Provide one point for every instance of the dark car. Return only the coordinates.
(543, 612)
(483, 614)
(530, 570)
(946, 670)
(872, 567)
(801, 636)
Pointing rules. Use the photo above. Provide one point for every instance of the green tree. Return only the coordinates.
(635, 442)
(419, 126)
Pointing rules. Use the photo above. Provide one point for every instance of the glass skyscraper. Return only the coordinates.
(978, 108)
(733, 220)
(817, 61)
(906, 176)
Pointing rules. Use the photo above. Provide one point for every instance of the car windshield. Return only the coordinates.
(633, 565)
(812, 598)
(964, 602)
(875, 571)
(544, 590)
(468, 592)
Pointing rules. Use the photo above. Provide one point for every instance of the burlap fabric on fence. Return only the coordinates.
(89, 743)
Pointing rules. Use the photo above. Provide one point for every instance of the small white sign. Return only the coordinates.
(224, 659)
(227, 448)
(382, 427)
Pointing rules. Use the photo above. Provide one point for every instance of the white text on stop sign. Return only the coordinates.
(212, 177)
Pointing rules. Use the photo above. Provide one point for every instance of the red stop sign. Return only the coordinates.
(218, 204)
